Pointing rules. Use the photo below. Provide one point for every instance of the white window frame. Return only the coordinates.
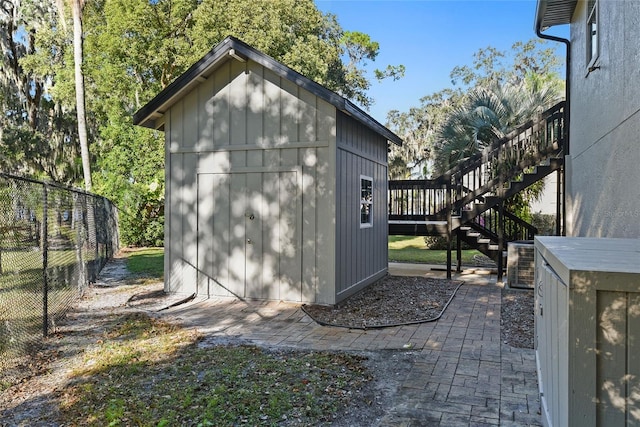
(592, 29)
(364, 202)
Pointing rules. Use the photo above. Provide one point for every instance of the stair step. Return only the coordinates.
(494, 247)
(484, 241)
(465, 228)
(473, 234)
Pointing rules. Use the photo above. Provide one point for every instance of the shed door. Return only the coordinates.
(248, 235)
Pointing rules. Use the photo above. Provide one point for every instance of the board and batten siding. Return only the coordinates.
(587, 330)
(246, 141)
(361, 253)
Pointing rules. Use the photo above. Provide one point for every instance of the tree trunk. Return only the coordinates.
(76, 11)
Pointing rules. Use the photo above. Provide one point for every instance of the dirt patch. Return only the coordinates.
(31, 398)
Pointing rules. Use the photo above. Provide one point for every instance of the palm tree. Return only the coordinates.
(489, 114)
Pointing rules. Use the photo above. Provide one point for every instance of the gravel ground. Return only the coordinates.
(517, 317)
(401, 300)
(393, 300)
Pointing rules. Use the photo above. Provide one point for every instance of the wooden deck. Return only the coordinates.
(472, 194)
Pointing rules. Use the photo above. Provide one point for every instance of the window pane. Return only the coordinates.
(365, 215)
(366, 201)
(592, 31)
(594, 40)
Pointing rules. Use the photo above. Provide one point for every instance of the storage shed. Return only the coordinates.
(276, 187)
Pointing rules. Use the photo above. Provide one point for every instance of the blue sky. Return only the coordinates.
(430, 37)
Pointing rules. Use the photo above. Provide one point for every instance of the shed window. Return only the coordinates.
(592, 33)
(366, 201)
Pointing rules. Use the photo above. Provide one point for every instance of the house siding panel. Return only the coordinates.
(361, 256)
(238, 103)
(309, 221)
(190, 121)
(255, 104)
(325, 187)
(220, 102)
(189, 216)
(205, 117)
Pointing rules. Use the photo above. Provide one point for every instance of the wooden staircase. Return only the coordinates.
(467, 202)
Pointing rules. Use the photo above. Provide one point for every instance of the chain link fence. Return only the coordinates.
(53, 242)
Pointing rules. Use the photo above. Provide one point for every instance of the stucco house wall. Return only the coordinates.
(603, 169)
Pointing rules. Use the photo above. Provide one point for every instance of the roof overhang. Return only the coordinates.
(151, 115)
(553, 12)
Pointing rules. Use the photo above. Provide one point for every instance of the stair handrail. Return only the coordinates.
(531, 230)
(496, 164)
(451, 185)
(515, 227)
(556, 111)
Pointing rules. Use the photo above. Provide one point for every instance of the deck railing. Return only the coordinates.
(488, 223)
(487, 171)
(415, 200)
(484, 173)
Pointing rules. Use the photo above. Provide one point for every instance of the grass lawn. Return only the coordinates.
(147, 261)
(148, 372)
(413, 249)
(144, 371)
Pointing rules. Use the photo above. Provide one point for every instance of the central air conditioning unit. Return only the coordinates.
(520, 264)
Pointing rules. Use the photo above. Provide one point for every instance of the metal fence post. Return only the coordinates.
(45, 263)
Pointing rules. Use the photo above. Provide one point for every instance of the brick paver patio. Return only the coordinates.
(463, 375)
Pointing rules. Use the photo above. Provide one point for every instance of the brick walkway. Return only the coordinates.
(464, 375)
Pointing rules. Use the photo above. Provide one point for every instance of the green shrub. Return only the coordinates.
(545, 223)
(440, 243)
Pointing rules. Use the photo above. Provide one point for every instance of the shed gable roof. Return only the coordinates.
(232, 48)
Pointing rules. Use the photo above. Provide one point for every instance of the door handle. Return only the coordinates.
(249, 241)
